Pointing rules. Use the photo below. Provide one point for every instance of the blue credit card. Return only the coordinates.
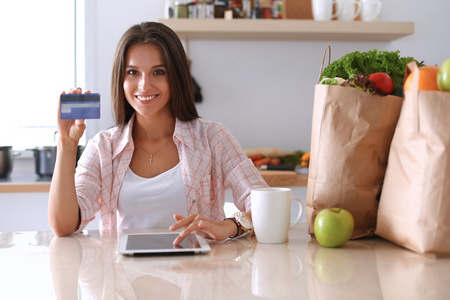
(80, 106)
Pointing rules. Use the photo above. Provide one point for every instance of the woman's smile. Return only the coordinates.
(145, 99)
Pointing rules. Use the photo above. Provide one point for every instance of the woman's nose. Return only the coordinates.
(144, 83)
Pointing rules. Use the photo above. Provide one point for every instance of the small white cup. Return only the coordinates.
(350, 10)
(273, 270)
(271, 214)
(370, 10)
(323, 9)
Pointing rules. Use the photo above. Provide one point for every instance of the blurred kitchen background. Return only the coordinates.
(263, 91)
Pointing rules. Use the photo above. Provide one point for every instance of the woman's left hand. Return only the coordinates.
(202, 227)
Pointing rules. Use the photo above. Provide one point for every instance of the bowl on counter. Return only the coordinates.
(45, 159)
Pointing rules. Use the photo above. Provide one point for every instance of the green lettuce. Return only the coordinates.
(330, 81)
(369, 62)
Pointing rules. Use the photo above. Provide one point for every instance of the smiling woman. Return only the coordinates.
(38, 63)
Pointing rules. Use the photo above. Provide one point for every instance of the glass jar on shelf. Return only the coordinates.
(219, 9)
(181, 9)
(237, 8)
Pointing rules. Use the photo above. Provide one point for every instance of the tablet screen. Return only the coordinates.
(154, 243)
(158, 241)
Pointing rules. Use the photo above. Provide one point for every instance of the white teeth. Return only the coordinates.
(142, 98)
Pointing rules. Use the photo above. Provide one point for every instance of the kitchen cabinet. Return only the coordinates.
(288, 29)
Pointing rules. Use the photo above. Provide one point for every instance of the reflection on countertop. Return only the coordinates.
(86, 266)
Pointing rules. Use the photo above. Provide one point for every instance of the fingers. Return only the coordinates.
(77, 90)
(192, 224)
(181, 221)
(79, 122)
(178, 217)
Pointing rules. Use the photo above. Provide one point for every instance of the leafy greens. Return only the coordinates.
(368, 63)
(363, 83)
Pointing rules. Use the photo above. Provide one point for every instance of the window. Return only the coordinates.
(38, 63)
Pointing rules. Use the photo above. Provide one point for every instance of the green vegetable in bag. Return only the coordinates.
(332, 81)
(369, 62)
(329, 81)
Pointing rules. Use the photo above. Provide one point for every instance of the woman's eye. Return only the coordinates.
(159, 72)
(132, 72)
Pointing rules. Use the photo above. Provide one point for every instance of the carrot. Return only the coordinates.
(263, 161)
(255, 157)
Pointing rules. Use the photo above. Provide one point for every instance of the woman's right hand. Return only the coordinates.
(63, 210)
(70, 131)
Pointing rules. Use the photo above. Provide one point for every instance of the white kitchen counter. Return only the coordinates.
(36, 265)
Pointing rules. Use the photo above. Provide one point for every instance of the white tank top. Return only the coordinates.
(151, 202)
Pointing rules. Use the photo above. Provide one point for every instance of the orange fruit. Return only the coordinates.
(427, 79)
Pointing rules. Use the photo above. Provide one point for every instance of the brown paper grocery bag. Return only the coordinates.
(414, 209)
(350, 139)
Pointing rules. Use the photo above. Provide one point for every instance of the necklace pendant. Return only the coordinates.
(151, 158)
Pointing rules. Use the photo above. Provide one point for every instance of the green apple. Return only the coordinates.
(333, 227)
(443, 77)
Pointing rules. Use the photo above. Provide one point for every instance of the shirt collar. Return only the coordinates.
(126, 137)
(184, 133)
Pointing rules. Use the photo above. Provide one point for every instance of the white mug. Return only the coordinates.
(271, 214)
(273, 270)
(350, 10)
(323, 9)
(371, 10)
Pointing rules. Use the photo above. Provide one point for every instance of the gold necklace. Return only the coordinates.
(151, 154)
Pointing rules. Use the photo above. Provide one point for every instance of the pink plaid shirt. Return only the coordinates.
(211, 160)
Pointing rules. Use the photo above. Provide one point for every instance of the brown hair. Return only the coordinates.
(182, 96)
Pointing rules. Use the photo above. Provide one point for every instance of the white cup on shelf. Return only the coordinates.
(350, 10)
(323, 9)
(370, 10)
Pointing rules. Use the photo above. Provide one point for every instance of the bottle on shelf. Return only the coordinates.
(169, 9)
(256, 12)
(266, 8)
(247, 8)
(277, 8)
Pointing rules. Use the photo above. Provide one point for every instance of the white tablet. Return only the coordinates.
(160, 243)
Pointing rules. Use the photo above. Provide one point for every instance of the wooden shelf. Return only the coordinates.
(25, 183)
(31, 187)
(261, 29)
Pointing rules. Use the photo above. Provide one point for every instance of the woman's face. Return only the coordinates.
(146, 84)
